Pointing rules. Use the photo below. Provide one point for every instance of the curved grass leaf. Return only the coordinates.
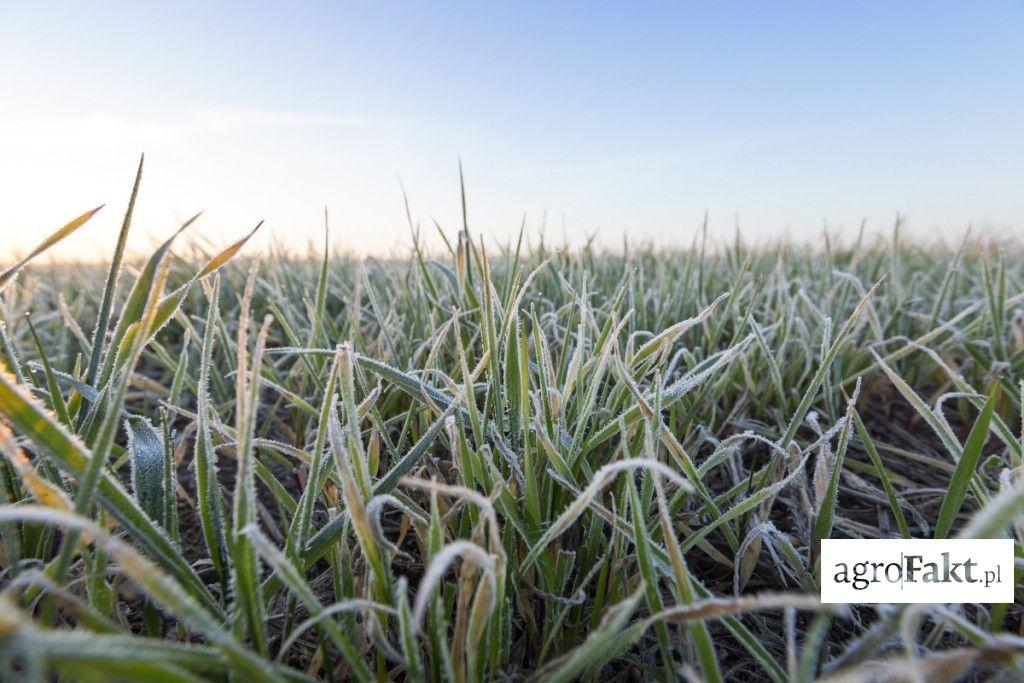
(146, 448)
(34, 421)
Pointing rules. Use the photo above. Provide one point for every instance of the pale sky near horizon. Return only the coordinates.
(631, 118)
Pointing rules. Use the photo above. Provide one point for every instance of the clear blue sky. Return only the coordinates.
(632, 118)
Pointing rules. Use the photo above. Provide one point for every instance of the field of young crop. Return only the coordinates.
(501, 462)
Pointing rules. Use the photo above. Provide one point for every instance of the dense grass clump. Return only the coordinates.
(501, 464)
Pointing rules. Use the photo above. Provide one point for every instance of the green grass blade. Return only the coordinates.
(8, 275)
(34, 421)
(146, 447)
(965, 469)
(109, 289)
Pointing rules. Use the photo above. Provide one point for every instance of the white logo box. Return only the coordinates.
(916, 571)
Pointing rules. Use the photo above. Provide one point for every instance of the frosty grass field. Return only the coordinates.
(501, 462)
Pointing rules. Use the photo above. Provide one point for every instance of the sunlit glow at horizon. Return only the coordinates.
(577, 120)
